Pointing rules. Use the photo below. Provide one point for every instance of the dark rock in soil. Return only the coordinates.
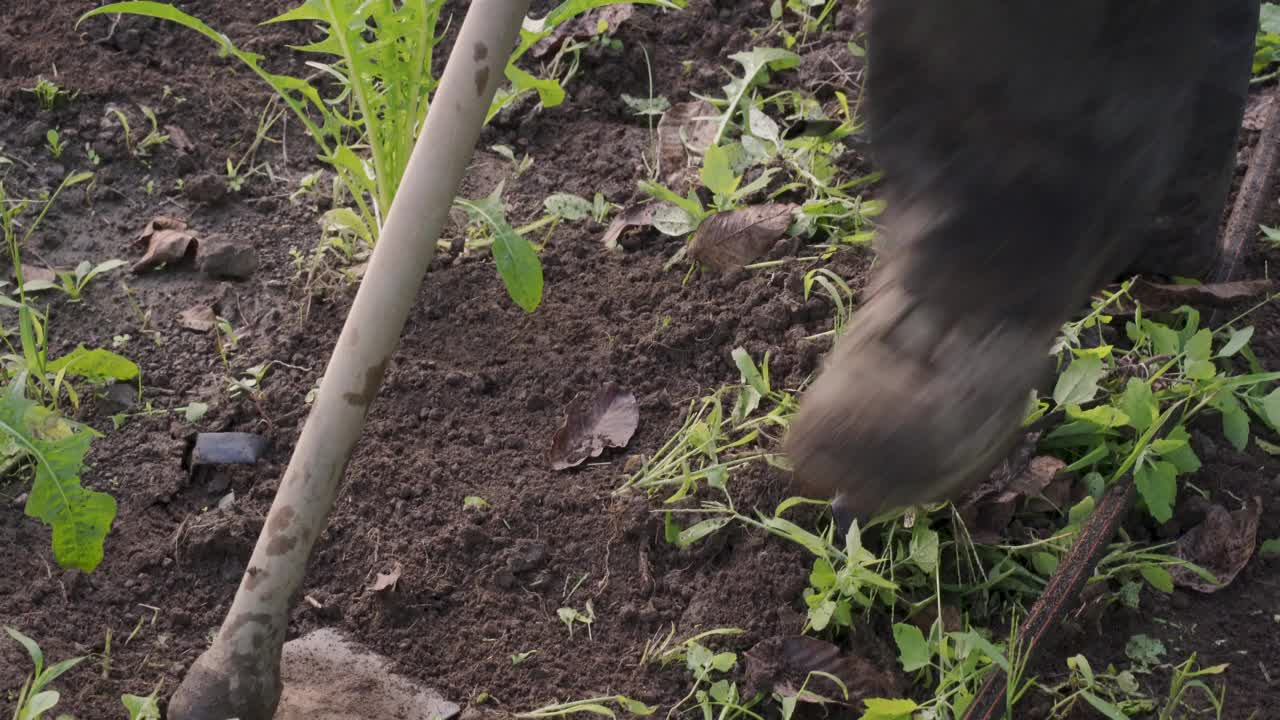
(221, 257)
(206, 188)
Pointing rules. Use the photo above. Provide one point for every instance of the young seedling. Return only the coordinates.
(35, 698)
(47, 93)
(73, 282)
(54, 143)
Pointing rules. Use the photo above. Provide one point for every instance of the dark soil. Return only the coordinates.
(469, 403)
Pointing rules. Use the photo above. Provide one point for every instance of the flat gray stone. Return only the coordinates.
(327, 677)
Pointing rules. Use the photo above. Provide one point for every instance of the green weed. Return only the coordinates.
(48, 93)
(73, 282)
(380, 56)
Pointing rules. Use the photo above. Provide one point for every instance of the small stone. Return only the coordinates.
(514, 442)
(20, 500)
(454, 379)
(119, 397)
(436, 414)
(537, 402)
(221, 257)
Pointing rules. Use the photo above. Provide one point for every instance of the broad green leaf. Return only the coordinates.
(1199, 346)
(1079, 383)
(820, 615)
(141, 708)
(1235, 421)
(635, 707)
(39, 704)
(1270, 548)
(38, 285)
(790, 531)
(1045, 563)
(717, 171)
(1238, 340)
(550, 92)
(1104, 416)
(518, 264)
(1271, 406)
(80, 518)
(1270, 18)
(881, 709)
(763, 126)
(97, 365)
(1158, 487)
(1157, 577)
(1139, 404)
(913, 651)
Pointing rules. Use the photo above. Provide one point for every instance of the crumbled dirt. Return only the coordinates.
(469, 403)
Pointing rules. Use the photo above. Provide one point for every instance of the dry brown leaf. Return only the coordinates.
(168, 241)
(685, 130)
(592, 424)
(35, 272)
(625, 224)
(1160, 297)
(1222, 544)
(1021, 477)
(584, 27)
(199, 318)
(788, 663)
(387, 580)
(179, 139)
(730, 240)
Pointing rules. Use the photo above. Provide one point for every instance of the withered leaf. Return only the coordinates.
(199, 318)
(168, 241)
(686, 129)
(729, 240)
(788, 663)
(592, 424)
(1160, 296)
(584, 27)
(387, 580)
(627, 223)
(1021, 477)
(1222, 544)
(179, 139)
(35, 272)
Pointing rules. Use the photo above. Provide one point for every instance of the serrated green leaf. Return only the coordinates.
(881, 709)
(97, 365)
(717, 171)
(924, 548)
(1158, 487)
(1176, 448)
(1139, 404)
(913, 651)
(1079, 383)
(80, 518)
(568, 206)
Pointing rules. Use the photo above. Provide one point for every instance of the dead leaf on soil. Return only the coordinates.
(730, 240)
(168, 241)
(199, 318)
(685, 130)
(784, 663)
(626, 223)
(606, 421)
(35, 272)
(387, 580)
(179, 139)
(584, 27)
(1161, 297)
(1222, 544)
(1023, 476)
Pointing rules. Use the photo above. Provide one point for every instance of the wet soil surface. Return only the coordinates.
(470, 400)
